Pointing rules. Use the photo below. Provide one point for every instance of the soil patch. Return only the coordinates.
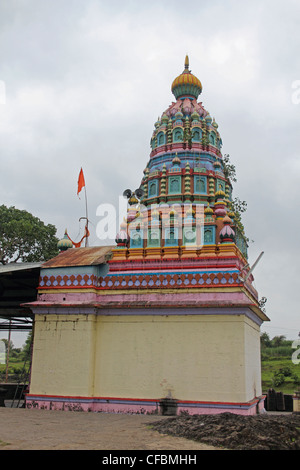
(25, 429)
(232, 431)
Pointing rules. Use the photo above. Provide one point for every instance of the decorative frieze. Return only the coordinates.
(146, 280)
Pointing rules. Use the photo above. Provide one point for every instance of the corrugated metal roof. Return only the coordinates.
(85, 256)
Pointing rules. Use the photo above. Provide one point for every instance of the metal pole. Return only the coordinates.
(8, 350)
(254, 266)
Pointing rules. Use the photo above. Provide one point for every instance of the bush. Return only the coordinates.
(286, 371)
(278, 379)
(296, 379)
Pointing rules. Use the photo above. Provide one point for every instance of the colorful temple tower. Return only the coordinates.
(168, 319)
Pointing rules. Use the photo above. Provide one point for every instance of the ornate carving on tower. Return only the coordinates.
(227, 234)
(163, 183)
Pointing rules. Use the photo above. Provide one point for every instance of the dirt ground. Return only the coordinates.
(24, 429)
(268, 431)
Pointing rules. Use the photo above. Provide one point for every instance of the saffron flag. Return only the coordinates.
(81, 182)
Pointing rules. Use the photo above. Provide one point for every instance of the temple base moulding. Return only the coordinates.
(142, 406)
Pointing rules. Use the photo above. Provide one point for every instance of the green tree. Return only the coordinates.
(265, 340)
(6, 343)
(25, 353)
(278, 341)
(24, 237)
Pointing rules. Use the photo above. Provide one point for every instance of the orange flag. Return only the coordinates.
(81, 182)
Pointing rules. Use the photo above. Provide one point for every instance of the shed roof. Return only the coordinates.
(13, 267)
(18, 285)
(85, 256)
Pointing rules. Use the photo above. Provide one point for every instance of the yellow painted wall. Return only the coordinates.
(205, 357)
(186, 357)
(63, 355)
(252, 359)
(296, 402)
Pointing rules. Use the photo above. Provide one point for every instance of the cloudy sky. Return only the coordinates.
(83, 81)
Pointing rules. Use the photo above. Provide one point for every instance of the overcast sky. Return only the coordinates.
(83, 81)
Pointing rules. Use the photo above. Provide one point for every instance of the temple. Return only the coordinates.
(167, 320)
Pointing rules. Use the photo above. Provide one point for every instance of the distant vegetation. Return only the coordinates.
(279, 346)
(18, 360)
(279, 371)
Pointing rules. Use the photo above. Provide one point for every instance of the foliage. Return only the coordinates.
(281, 351)
(278, 379)
(187, 136)
(279, 346)
(236, 205)
(265, 341)
(276, 342)
(25, 352)
(18, 360)
(24, 237)
(278, 370)
(229, 169)
(5, 342)
(280, 375)
(279, 341)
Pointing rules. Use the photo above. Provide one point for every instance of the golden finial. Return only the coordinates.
(186, 62)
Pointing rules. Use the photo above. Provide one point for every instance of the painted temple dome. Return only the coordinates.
(186, 122)
(185, 168)
(186, 84)
(65, 243)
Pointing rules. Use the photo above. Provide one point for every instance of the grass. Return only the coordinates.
(15, 370)
(272, 366)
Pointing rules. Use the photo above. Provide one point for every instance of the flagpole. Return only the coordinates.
(87, 220)
(81, 184)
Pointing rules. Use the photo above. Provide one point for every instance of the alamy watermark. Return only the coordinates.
(295, 345)
(296, 93)
(181, 221)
